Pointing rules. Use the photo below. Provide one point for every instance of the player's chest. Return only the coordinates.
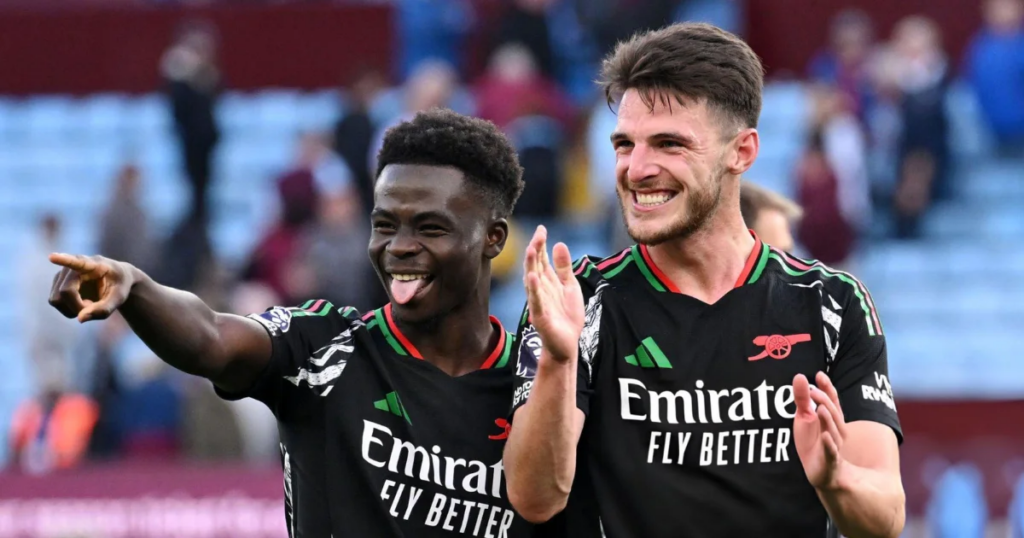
(388, 404)
(733, 362)
(429, 446)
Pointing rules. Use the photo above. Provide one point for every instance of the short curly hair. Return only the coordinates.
(440, 137)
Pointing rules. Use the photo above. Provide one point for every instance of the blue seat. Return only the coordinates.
(1016, 510)
(958, 508)
(318, 111)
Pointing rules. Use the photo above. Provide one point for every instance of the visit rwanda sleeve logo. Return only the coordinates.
(648, 355)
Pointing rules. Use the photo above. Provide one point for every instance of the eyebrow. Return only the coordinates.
(434, 215)
(685, 140)
(418, 217)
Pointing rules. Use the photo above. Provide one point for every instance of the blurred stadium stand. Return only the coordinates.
(952, 303)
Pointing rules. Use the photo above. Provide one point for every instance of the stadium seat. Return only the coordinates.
(958, 508)
(1016, 510)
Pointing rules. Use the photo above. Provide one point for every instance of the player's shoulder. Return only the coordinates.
(841, 291)
(315, 316)
(594, 272)
(806, 272)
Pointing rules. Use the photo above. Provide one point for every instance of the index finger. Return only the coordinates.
(74, 262)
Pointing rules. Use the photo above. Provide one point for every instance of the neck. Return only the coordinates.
(706, 264)
(458, 341)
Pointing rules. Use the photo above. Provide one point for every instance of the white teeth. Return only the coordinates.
(652, 199)
(406, 278)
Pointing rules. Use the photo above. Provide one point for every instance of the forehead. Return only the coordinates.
(420, 187)
(690, 118)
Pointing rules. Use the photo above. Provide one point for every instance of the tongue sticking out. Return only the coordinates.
(403, 291)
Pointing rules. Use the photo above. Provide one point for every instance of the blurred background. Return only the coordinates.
(226, 147)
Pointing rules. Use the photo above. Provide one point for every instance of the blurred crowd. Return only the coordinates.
(876, 158)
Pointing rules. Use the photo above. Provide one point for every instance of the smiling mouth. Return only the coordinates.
(407, 286)
(652, 200)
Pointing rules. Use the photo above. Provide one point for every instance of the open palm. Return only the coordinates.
(819, 429)
(554, 297)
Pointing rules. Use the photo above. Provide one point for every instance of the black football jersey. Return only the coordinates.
(690, 406)
(375, 441)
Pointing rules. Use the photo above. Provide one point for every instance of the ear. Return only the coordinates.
(743, 151)
(497, 234)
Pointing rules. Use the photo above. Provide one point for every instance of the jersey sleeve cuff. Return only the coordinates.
(261, 388)
(881, 418)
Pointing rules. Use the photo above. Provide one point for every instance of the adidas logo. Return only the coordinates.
(649, 355)
(393, 405)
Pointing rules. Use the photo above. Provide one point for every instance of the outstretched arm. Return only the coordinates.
(540, 455)
(179, 327)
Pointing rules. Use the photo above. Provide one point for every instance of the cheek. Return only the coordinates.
(621, 167)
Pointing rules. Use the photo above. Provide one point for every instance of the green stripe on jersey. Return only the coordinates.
(324, 310)
(760, 263)
(645, 270)
(792, 271)
(508, 351)
(383, 324)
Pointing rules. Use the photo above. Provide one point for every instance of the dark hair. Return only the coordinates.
(692, 60)
(440, 137)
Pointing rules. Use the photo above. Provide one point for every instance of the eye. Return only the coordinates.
(621, 145)
(669, 144)
(383, 226)
(432, 230)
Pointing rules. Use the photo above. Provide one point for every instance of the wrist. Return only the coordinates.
(133, 276)
(556, 361)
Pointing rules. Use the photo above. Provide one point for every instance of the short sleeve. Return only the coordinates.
(860, 367)
(529, 347)
(311, 345)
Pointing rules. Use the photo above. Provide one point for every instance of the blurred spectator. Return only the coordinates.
(339, 236)
(916, 68)
(147, 413)
(525, 22)
(995, 69)
(832, 181)
(330, 172)
(51, 337)
(725, 14)
(192, 83)
(535, 114)
(540, 142)
(256, 424)
(432, 84)
(52, 431)
(123, 230)
(823, 230)
(845, 64)
(575, 53)
(617, 20)
(354, 133)
(513, 87)
(192, 80)
(432, 30)
(769, 214)
(273, 261)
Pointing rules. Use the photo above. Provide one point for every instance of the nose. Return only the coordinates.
(403, 245)
(640, 164)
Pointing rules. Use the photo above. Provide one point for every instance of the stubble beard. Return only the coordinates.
(701, 206)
